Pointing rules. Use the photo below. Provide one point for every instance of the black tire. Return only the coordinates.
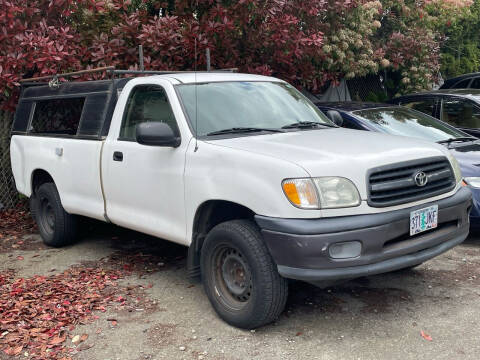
(57, 228)
(240, 277)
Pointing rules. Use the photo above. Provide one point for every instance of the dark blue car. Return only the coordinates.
(399, 120)
(457, 107)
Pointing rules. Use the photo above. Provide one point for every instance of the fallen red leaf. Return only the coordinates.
(426, 336)
(12, 351)
(58, 340)
(37, 313)
(19, 257)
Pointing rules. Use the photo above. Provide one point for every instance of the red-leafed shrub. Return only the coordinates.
(36, 38)
(304, 42)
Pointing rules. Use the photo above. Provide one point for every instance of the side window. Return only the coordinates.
(462, 84)
(476, 83)
(459, 112)
(349, 124)
(426, 106)
(57, 116)
(146, 103)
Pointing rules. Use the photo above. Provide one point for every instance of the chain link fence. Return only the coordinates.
(9, 197)
(362, 88)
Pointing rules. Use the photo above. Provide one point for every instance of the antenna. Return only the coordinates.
(196, 98)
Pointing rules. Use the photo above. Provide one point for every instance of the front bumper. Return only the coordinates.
(300, 246)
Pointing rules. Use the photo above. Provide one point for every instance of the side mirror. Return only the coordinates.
(156, 134)
(335, 116)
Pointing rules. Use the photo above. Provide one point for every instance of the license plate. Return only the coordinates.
(423, 219)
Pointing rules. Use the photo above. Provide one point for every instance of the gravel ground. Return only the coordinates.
(380, 317)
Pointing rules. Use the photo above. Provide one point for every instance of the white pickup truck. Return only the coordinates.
(242, 169)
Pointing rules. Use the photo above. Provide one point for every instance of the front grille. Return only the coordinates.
(395, 184)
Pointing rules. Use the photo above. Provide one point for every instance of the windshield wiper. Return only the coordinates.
(306, 125)
(236, 130)
(460, 139)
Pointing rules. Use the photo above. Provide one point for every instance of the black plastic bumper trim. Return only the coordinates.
(314, 275)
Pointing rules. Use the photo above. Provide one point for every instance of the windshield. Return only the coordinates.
(254, 104)
(407, 122)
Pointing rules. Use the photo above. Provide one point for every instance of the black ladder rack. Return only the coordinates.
(41, 80)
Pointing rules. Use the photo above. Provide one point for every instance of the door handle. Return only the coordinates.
(117, 156)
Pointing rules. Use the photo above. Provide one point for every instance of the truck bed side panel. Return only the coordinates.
(73, 164)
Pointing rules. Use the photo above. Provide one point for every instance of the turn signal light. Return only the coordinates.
(301, 193)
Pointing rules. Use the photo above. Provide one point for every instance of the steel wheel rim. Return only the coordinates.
(47, 215)
(232, 277)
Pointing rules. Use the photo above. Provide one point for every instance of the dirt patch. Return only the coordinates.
(466, 273)
(138, 301)
(379, 300)
(160, 335)
(137, 254)
(15, 224)
(306, 298)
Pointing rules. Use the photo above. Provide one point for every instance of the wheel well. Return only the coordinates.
(208, 215)
(40, 177)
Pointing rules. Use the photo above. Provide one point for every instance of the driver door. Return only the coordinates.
(144, 185)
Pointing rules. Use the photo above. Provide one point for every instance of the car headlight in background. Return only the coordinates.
(473, 182)
(321, 193)
(456, 168)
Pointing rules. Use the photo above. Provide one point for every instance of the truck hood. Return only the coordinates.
(336, 151)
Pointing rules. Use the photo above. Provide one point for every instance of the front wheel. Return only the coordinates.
(57, 228)
(240, 277)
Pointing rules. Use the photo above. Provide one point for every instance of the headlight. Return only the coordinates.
(473, 182)
(456, 168)
(321, 193)
(336, 192)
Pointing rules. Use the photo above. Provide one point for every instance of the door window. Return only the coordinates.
(462, 84)
(425, 105)
(462, 113)
(349, 124)
(147, 103)
(476, 83)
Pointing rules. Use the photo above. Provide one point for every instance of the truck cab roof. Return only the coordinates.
(203, 77)
(96, 99)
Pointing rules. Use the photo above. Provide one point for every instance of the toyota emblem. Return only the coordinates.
(420, 178)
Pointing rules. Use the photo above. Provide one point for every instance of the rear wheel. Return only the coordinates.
(57, 228)
(240, 277)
